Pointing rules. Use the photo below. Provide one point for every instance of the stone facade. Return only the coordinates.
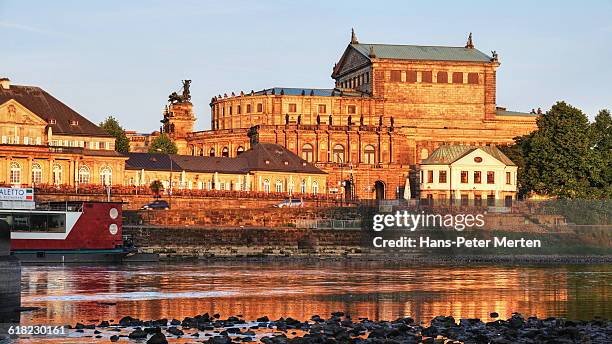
(43, 141)
(392, 105)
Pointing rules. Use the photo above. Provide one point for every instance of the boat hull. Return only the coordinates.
(75, 256)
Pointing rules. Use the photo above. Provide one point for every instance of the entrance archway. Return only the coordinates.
(379, 187)
(348, 190)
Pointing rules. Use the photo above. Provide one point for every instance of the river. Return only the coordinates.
(70, 294)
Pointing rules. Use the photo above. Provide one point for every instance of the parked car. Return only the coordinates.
(290, 203)
(157, 204)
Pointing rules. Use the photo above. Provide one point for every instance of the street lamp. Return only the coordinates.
(170, 198)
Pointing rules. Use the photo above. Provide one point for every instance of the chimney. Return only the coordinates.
(5, 83)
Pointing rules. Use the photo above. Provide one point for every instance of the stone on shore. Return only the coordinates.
(157, 338)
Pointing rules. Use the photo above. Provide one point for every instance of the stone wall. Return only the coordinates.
(237, 242)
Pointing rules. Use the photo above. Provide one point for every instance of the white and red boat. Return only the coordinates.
(66, 232)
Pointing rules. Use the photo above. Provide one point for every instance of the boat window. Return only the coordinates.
(32, 222)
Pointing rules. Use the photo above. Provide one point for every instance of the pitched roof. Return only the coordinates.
(501, 112)
(273, 157)
(448, 154)
(421, 52)
(261, 157)
(48, 107)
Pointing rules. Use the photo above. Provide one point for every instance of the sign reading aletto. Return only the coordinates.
(16, 194)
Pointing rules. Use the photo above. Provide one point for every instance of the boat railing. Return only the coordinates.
(60, 206)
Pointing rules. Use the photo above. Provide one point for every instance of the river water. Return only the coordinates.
(70, 294)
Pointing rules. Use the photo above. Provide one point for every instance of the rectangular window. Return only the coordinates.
(442, 177)
(464, 177)
(260, 107)
(473, 78)
(426, 76)
(238, 109)
(457, 78)
(411, 76)
(442, 78)
(490, 177)
(367, 77)
(478, 200)
(230, 111)
(490, 200)
(322, 108)
(430, 176)
(477, 177)
(396, 76)
(248, 109)
(351, 109)
(508, 178)
(292, 107)
(464, 200)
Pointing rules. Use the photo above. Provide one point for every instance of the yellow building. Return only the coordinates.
(43, 141)
(468, 174)
(263, 168)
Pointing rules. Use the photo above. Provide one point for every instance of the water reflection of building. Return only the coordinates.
(371, 291)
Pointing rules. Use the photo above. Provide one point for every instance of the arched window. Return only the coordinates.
(266, 185)
(15, 177)
(369, 154)
(211, 152)
(225, 152)
(57, 174)
(84, 175)
(106, 176)
(202, 151)
(239, 150)
(338, 154)
(278, 186)
(290, 187)
(303, 186)
(315, 188)
(36, 173)
(307, 152)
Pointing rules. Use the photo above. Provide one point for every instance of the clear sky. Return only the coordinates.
(124, 57)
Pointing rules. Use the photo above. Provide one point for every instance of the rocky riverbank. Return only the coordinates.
(341, 328)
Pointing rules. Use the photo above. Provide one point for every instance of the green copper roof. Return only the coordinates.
(448, 154)
(418, 52)
(500, 112)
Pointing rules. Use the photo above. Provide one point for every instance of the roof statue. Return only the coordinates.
(469, 44)
(185, 97)
(371, 54)
(354, 37)
(495, 56)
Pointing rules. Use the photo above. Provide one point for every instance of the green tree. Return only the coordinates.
(601, 133)
(112, 127)
(157, 187)
(163, 144)
(515, 153)
(558, 157)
